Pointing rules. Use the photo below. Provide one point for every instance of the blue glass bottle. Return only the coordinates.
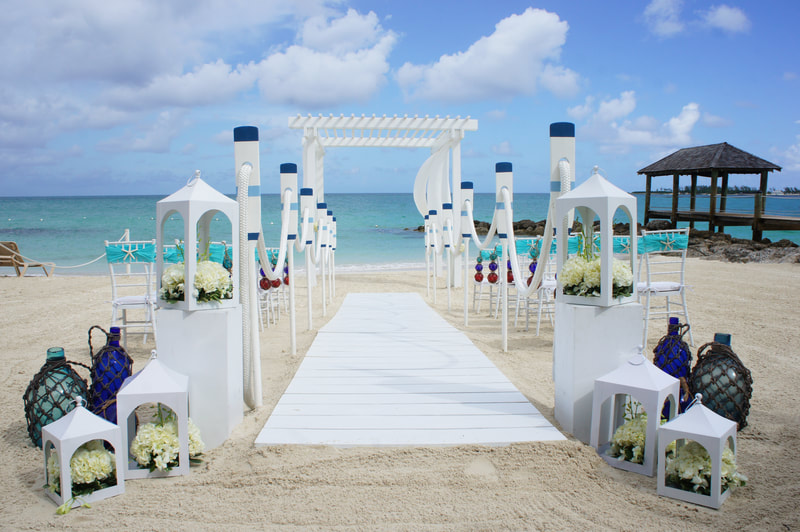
(51, 393)
(110, 367)
(672, 355)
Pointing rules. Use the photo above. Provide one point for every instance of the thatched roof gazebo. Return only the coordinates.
(713, 161)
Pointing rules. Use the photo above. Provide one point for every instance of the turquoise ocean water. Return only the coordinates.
(373, 229)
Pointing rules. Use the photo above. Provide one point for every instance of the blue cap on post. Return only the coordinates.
(306, 191)
(245, 133)
(466, 185)
(562, 129)
(502, 167)
(322, 206)
(446, 206)
(288, 168)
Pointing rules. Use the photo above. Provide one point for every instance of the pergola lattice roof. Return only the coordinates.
(382, 131)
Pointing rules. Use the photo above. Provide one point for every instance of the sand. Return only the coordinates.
(527, 486)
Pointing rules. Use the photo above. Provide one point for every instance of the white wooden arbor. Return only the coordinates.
(441, 135)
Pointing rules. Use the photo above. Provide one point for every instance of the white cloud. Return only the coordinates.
(504, 148)
(789, 76)
(611, 110)
(612, 126)
(156, 137)
(580, 112)
(496, 114)
(309, 78)
(792, 155)
(726, 18)
(349, 33)
(519, 56)
(710, 120)
(664, 17)
(207, 84)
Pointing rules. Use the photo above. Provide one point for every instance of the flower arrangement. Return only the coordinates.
(156, 445)
(627, 443)
(581, 277)
(689, 468)
(212, 282)
(92, 468)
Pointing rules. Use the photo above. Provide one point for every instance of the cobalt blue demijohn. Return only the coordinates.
(672, 355)
(111, 365)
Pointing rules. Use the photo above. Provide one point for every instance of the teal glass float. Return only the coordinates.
(51, 393)
(725, 383)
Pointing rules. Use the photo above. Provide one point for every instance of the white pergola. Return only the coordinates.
(442, 136)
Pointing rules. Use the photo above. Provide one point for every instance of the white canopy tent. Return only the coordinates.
(441, 135)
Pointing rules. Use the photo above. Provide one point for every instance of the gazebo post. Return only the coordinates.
(675, 189)
(647, 198)
(712, 201)
(723, 200)
(693, 198)
(760, 205)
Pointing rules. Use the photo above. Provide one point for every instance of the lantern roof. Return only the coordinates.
(700, 420)
(155, 377)
(77, 423)
(640, 372)
(197, 191)
(596, 186)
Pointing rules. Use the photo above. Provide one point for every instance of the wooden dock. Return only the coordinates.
(387, 370)
(762, 222)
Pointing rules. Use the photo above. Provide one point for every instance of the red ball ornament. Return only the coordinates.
(276, 283)
(479, 277)
(264, 283)
(492, 277)
(510, 276)
(286, 280)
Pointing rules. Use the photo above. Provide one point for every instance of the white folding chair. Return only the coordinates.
(663, 264)
(543, 299)
(131, 265)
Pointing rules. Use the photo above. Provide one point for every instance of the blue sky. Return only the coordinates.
(130, 97)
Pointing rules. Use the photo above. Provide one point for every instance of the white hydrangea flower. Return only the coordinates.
(622, 273)
(571, 273)
(591, 274)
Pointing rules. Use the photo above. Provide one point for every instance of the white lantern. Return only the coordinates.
(597, 197)
(199, 205)
(156, 384)
(641, 381)
(64, 437)
(707, 428)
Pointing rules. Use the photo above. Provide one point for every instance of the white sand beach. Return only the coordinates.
(527, 486)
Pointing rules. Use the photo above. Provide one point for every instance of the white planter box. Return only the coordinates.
(206, 346)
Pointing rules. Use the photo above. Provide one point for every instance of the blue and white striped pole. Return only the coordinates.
(246, 150)
(307, 207)
(289, 183)
(467, 194)
(322, 233)
(504, 180)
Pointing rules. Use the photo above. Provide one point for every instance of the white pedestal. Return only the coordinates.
(589, 342)
(206, 345)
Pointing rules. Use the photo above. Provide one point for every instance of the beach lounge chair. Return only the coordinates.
(11, 257)
(663, 264)
(131, 265)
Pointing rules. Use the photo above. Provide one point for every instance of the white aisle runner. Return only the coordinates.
(387, 370)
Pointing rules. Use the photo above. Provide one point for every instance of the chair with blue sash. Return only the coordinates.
(131, 264)
(663, 257)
